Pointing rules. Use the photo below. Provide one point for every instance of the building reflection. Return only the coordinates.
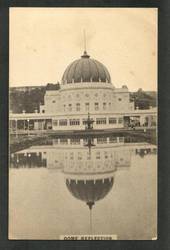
(81, 154)
(89, 165)
(27, 159)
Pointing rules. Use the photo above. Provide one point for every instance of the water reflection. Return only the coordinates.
(88, 165)
(64, 153)
(27, 160)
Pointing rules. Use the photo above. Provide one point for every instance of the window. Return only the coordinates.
(75, 141)
(97, 155)
(119, 99)
(79, 156)
(96, 106)
(104, 106)
(86, 140)
(55, 122)
(70, 107)
(53, 101)
(105, 155)
(109, 105)
(87, 106)
(74, 122)
(64, 107)
(121, 139)
(84, 121)
(120, 120)
(100, 120)
(55, 141)
(63, 141)
(101, 140)
(88, 156)
(63, 122)
(43, 111)
(65, 155)
(71, 156)
(112, 120)
(77, 106)
(113, 139)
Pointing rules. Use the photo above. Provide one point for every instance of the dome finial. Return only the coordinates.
(85, 55)
(90, 204)
(84, 32)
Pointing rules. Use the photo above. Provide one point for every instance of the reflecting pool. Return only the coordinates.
(84, 186)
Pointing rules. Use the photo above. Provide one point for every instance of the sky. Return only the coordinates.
(44, 41)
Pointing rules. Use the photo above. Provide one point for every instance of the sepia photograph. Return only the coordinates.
(83, 123)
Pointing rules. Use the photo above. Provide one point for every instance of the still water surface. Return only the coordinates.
(76, 186)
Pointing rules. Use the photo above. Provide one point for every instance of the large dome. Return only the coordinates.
(86, 69)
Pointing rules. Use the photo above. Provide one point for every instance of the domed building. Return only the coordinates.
(86, 87)
(86, 90)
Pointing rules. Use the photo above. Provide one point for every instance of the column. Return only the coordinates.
(28, 126)
(95, 141)
(24, 125)
(149, 121)
(16, 132)
(81, 142)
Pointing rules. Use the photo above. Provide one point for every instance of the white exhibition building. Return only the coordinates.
(86, 89)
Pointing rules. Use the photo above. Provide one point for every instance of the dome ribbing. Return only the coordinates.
(86, 69)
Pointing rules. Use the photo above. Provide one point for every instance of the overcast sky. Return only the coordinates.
(43, 41)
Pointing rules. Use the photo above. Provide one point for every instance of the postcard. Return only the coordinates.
(83, 124)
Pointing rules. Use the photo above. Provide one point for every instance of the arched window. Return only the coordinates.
(96, 106)
(87, 106)
(77, 106)
(70, 107)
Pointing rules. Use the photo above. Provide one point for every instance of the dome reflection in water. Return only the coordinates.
(90, 185)
(89, 168)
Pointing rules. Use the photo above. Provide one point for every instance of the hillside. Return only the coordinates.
(144, 99)
(28, 99)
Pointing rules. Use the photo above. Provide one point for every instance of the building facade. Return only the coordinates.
(86, 88)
